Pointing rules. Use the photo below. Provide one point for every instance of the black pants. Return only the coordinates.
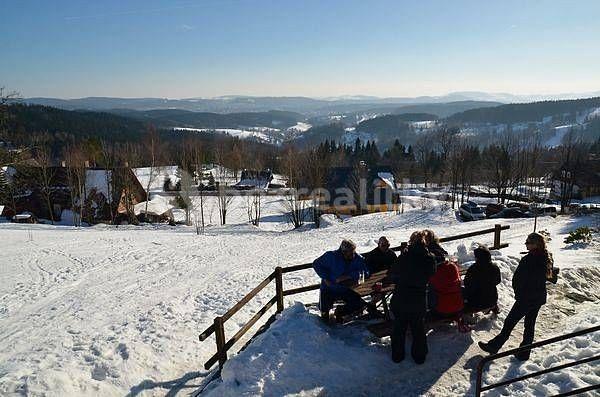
(329, 295)
(416, 322)
(518, 311)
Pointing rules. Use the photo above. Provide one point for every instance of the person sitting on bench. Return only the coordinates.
(381, 257)
(338, 269)
(433, 245)
(480, 281)
(446, 286)
(414, 267)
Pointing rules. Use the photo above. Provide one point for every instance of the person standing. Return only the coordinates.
(529, 284)
(414, 268)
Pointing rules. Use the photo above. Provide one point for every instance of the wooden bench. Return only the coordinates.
(384, 328)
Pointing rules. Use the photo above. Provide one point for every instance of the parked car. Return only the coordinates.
(522, 206)
(511, 212)
(26, 217)
(492, 209)
(470, 211)
(541, 211)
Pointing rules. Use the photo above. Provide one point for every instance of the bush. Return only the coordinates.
(579, 235)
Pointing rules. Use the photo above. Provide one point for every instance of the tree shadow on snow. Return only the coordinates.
(174, 386)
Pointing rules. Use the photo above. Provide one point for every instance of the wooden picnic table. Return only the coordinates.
(368, 288)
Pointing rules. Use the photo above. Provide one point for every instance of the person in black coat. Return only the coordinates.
(481, 280)
(529, 284)
(410, 274)
(433, 245)
(381, 257)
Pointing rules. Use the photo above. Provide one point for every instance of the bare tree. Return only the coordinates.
(153, 148)
(109, 158)
(571, 156)
(315, 167)
(44, 175)
(75, 166)
(294, 206)
(223, 202)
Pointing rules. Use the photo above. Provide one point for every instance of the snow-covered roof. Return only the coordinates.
(156, 176)
(279, 180)
(9, 172)
(387, 178)
(178, 215)
(257, 183)
(157, 206)
(98, 181)
(220, 174)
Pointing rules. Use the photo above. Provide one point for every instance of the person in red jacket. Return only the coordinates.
(446, 284)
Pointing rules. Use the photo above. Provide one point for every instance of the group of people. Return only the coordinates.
(428, 283)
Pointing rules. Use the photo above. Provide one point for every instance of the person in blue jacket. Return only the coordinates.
(337, 270)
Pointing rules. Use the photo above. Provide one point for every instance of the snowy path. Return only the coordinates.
(112, 311)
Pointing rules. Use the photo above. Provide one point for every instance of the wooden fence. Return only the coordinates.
(218, 329)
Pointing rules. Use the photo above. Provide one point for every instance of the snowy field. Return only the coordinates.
(117, 310)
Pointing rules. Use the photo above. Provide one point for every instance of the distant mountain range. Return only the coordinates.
(484, 121)
(308, 106)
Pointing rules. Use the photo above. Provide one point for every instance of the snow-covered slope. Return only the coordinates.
(115, 310)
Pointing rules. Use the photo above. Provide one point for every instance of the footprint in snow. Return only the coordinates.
(123, 351)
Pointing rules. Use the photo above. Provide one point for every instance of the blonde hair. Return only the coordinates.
(540, 242)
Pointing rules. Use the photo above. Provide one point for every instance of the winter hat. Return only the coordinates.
(482, 254)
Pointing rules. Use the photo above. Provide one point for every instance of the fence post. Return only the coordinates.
(497, 230)
(279, 288)
(220, 339)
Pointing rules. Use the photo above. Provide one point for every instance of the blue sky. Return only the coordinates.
(204, 48)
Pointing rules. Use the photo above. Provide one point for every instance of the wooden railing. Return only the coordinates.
(218, 328)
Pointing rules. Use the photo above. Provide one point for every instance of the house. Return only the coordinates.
(360, 189)
(42, 191)
(265, 179)
(253, 179)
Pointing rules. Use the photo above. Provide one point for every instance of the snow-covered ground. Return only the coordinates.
(110, 310)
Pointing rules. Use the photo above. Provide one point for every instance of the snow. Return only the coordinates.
(109, 310)
(98, 181)
(240, 133)
(300, 126)
(157, 206)
(559, 134)
(156, 177)
(423, 124)
(387, 178)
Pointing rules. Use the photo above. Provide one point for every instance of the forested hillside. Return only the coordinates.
(169, 118)
(524, 112)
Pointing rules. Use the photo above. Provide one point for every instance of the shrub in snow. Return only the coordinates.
(579, 235)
